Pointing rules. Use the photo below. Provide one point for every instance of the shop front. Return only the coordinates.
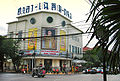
(50, 63)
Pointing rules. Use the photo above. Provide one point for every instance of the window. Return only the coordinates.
(49, 19)
(80, 51)
(75, 38)
(20, 34)
(70, 48)
(11, 34)
(32, 21)
(76, 50)
(63, 23)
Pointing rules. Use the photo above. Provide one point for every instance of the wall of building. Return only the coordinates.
(76, 41)
(55, 63)
(24, 24)
(41, 22)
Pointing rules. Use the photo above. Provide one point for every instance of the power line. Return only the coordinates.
(78, 22)
(16, 33)
(40, 39)
(50, 36)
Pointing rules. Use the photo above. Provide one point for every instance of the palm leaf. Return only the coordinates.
(106, 27)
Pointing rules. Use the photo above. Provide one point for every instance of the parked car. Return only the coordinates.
(93, 71)
(107, 71)
(89, 70)
(98, 69)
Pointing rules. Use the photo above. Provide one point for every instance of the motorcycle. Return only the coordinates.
(39, 72)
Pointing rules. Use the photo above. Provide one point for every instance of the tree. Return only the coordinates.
(1, 53)
(105, 25)
(10, 50)
(93, 57)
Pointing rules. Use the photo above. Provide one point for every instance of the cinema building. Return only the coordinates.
(50, 35)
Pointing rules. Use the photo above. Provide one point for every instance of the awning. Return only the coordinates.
(40, 57)
(79, 61)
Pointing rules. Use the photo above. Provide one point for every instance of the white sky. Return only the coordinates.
(78, 8)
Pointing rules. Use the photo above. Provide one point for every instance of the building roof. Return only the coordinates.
(45, 12)
(16, 21)
(87, 48)
(43, 57)
(76, 28)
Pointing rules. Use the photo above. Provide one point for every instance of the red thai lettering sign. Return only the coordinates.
(50, 52)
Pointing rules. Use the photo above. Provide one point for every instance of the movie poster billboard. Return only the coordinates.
(62, 40)
(48, 42)
(32, 42)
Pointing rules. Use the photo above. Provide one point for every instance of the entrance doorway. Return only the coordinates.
(48, 65)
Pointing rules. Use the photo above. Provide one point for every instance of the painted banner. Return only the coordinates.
(30, 52)
(50, 52)
(65, 54)
(62, 41)
(48, 42)
(32, 42)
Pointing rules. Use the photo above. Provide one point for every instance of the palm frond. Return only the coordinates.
(105, 24)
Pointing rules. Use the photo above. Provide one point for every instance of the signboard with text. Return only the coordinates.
(42, 6)
(30, 52)
(50, 52)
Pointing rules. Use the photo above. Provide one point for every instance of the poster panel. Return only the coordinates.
(32, 42)
(62, 41)
(48, 42)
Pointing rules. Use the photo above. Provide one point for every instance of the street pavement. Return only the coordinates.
(72, 77)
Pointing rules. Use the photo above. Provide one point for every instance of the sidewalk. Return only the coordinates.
(69, 73)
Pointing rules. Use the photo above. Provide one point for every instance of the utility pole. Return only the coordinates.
(67, 62)
(103, 41)
(104, 64)
(34, 55)
(33, 59)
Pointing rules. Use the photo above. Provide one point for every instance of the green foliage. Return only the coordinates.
(93, 58)
(1, 52)
(105, 25)
(9, 48)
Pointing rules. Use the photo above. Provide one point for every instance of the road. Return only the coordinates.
(75, 77)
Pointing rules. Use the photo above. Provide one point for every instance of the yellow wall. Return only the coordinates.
(55, 63)
(32, 41)
(38, 62)
(62, 41)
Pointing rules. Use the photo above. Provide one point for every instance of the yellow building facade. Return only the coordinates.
(44, 34)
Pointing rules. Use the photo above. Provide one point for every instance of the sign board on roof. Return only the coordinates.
(44, 6)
